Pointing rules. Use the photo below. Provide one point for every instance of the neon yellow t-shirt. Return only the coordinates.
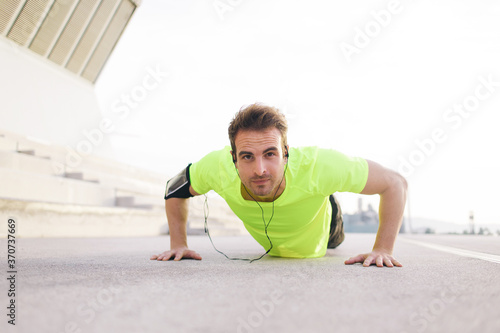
(302, 213)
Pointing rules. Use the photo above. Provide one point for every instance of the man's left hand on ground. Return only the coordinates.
(379, 258)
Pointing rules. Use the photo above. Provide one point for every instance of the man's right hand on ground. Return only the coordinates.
(177, 254)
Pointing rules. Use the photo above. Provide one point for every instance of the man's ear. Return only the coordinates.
(233, 155)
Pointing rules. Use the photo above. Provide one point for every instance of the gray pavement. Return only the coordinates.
(110, 285)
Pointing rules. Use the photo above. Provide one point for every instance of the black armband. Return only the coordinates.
(178, 186)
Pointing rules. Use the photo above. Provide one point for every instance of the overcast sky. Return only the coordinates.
(413, 85)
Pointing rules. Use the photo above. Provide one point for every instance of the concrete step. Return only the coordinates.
(42, 219)
(128, 184)
(26, 162)
(142, 200)
(146, 194)
(7, 143)
(27, 152)
(24, 185)
(124, 201)
(74, 175)
(66, 159)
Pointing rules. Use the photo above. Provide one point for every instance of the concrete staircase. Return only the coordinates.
(30, 170)
(39, 186)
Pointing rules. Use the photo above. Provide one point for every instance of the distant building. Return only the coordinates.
(472, 228)
(363, 221)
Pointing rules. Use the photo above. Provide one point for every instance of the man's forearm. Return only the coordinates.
(391, 210)
(392, 190)
(177, 214)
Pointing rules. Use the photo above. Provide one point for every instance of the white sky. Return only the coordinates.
(395, 91)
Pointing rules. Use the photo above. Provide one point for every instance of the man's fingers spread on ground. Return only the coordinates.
(353, 260)
(196, 256)
(397, 263)
(176, 255)
(349, 261)
(192, 255)
(368, 261)
(388, 262)
(165, 256)
(379, 261)
(179, 255)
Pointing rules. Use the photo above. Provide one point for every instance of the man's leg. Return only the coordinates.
(336, 225)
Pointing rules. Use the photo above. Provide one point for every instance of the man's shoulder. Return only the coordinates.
(314, 152)
(305, 150)
(327, 171)
(316, 157)
(213, 171)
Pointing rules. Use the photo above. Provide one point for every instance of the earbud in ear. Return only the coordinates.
(286, 152)
(234, 158)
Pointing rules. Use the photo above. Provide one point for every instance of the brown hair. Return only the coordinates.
(257, 117)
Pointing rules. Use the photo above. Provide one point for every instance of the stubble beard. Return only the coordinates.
(266, 190)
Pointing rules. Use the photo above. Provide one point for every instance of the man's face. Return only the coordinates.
(260, 162)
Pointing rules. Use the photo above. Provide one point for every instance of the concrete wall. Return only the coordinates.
(42, 100)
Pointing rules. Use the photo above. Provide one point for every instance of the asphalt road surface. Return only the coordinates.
(447, 284)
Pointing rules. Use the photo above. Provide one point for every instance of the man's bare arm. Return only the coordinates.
(392, 188)
(177, 214)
